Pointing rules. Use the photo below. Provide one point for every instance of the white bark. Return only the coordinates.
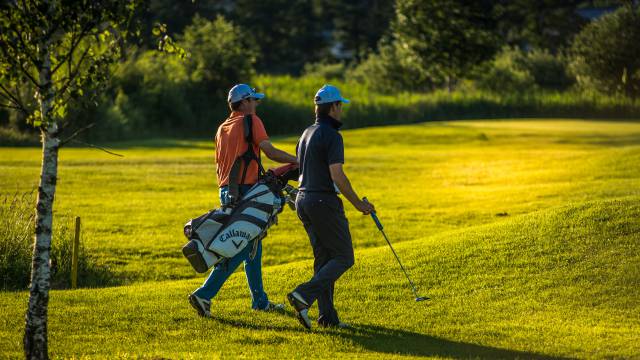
(35, 335)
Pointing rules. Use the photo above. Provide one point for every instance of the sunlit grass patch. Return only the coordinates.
(423, 178)
(555, 283)
(523, 233)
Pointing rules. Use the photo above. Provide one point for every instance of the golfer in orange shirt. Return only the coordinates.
(230, 144)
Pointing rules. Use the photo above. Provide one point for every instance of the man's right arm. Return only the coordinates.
(275, 154)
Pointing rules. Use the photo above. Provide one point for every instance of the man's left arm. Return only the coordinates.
(276, 154)
(261, 138)
(344, 185)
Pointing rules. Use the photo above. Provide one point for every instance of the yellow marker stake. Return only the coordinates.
(74, 255)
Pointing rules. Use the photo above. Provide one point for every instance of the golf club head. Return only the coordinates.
(422, 298)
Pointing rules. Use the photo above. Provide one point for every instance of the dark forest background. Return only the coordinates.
(400, 61)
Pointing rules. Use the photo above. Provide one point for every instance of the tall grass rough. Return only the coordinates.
(17, 220)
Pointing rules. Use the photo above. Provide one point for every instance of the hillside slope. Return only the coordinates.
(561, 282)
(424, 178)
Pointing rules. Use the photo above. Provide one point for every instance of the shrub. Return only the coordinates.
(384, 72)
(440, 41)
(151, 94)
(514, 70)
(325, 70)
(606, 53)
(549, 71)
(16, 238)
(505, 73)
(288, 108)
(17, 223)
(10, 136)
(158, 95)
(220, 55)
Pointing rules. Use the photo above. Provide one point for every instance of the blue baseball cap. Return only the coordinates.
(329, 94)
(241, 92)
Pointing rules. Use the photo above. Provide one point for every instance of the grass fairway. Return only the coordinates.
(524, 233)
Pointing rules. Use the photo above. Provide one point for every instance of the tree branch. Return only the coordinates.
(70, 61)
(28, 53)
(7, 95)
(76, 133)
(52, 31)
(97, 147)
(26, 73)
(75, 73)
(12, 107)
(83, 33)
(19, 96)
(4, 95)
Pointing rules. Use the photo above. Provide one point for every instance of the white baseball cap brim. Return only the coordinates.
(329, 94)
(243, 91)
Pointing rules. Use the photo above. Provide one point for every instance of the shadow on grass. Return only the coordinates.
(399, 342)
(603, 140)
(384, 340)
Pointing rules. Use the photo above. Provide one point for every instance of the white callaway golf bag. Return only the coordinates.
(222, 233)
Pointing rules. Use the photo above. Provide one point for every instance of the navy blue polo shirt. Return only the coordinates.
(319, 146)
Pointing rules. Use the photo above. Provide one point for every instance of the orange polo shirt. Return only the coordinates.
(230, 144)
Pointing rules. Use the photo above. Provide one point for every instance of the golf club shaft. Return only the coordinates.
(413, 287)
(380, 227)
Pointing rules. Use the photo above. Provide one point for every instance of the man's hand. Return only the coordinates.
(365, 207)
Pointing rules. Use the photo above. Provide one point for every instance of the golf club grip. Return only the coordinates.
(374, 216)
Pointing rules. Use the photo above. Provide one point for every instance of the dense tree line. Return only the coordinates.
(503, 46)
(291, 33)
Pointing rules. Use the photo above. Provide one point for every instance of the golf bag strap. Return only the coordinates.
(256, 205)
(251, 219)
(243, 161)
(196, 222)
(234, 191)
(256, 243)
(249, 155)
(257, 195)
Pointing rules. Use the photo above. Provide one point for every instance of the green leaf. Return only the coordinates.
(60, 112)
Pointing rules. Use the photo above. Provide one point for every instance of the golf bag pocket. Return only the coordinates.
(200, 259)
(199, 231)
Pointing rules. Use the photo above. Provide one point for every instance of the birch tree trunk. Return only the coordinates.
(35, 334)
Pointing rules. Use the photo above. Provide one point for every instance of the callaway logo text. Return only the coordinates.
(234, 233)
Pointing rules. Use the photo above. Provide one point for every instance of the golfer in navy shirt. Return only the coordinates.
(320, 152)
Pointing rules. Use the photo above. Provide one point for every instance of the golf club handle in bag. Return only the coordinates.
(373, 215)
